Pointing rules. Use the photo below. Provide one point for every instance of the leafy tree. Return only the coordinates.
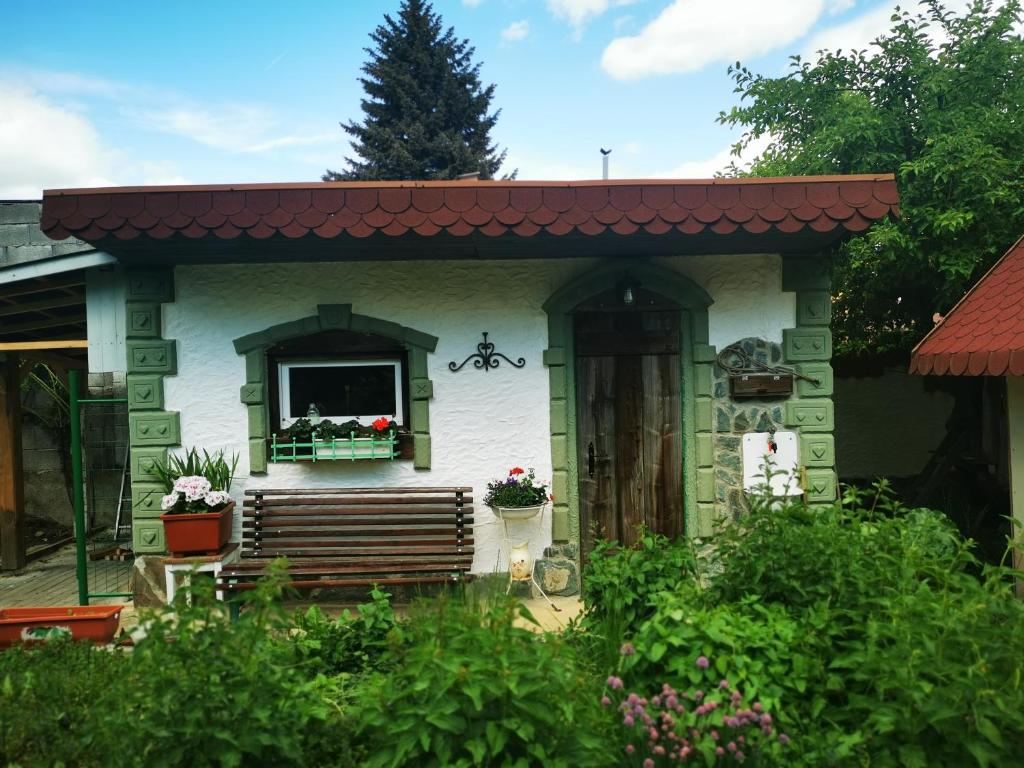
(939, 100)
(425, 111)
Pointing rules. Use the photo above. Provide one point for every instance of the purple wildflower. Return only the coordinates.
(613, 682)
(627, 649)
(702, 662)
(605, 701)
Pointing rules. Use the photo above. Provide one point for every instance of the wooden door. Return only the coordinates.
(629, 422)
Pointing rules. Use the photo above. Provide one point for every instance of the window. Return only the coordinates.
(341, 390)
(345, 374)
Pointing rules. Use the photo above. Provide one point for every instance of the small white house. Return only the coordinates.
(571, 327)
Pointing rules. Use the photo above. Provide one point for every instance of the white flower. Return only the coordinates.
(194, 487)
(216, 498)
(168, 501)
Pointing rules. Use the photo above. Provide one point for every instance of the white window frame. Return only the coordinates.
(284, 387)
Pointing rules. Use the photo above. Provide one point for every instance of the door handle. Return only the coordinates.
(590, 460)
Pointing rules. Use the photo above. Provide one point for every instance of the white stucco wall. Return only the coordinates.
(481, 423)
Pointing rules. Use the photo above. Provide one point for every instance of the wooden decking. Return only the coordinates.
(51, 581)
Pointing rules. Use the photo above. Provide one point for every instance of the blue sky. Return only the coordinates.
(197, 92)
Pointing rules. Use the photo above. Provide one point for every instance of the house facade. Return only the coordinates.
(605, 306)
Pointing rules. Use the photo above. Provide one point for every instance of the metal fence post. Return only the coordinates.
(77, 482)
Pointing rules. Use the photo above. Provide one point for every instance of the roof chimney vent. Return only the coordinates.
(604, 162)
(474, 176)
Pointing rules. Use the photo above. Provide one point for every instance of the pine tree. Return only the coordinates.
(425, 110)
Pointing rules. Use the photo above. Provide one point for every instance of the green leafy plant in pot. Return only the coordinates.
(197, 509)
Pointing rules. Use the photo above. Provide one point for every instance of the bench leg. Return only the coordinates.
(170, 583)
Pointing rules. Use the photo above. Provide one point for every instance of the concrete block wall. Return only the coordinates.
(21, 239)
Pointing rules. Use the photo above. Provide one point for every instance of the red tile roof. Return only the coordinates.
(983, 335)
(819, 204)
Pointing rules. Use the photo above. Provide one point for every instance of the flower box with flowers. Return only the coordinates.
(197, 510)
(326, 441)
(519, 496)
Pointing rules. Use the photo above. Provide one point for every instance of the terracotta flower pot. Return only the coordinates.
(97, 623)
(203, 533)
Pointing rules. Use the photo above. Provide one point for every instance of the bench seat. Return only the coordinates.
(345, 537)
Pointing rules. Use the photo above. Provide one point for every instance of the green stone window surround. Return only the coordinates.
(696, 359)
(334, 317)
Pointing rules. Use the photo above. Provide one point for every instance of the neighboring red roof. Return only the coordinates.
(983, 335)
(460, 208)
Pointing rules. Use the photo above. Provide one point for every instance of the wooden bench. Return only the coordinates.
(346, 537)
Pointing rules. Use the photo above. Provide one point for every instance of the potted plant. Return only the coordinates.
(518, 496)
(326, 441)
(197, 508)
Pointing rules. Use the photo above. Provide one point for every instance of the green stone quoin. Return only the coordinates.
(151, 429)
(696, 359)
(330, 317)
(808, 347)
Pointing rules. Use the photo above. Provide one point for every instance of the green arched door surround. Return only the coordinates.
(696, 359)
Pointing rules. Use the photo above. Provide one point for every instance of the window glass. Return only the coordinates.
(341, 390)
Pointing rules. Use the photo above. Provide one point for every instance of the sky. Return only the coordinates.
(106, 93)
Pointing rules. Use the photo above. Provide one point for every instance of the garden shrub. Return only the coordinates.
(61, 704)
(760, 649)
(619, 583)
(349, 644)
(719, 726)
(210, 692)
(468, 688)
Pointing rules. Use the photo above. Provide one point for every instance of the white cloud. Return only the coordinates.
(690, 34)
(579, 12)
(517, 30)
(858, 33)
(232, 127)
(160, 172)
(707, 167)
(43, 146)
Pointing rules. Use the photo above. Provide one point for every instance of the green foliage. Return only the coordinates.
(719, 726)
(760, 649)
(49, 701)
(620, 583)
(214, 467)
(468, 688)
(304, 430)
(349, 644)
(938, 100)
(197, 690)
(426, 112)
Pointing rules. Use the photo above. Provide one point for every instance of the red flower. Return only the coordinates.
(382, 423)
(516, 471)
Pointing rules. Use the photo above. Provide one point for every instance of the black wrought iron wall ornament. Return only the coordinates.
(486, 358)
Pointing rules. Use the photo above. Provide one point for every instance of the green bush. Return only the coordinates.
(349, 644)
(61, 704)
(467, 688)
(619, 583)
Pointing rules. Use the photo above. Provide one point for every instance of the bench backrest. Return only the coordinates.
(342, 522)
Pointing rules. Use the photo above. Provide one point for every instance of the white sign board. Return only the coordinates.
(783, 462)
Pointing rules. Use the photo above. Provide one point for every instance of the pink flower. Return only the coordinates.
(702, 662)
(605, 701)
(613, 682)
(627, 649)
(648, 763)
(630, 749)
(783, 739)
(719, 751)
(168, 501)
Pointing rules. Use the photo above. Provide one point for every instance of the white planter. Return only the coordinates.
(517, 513)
